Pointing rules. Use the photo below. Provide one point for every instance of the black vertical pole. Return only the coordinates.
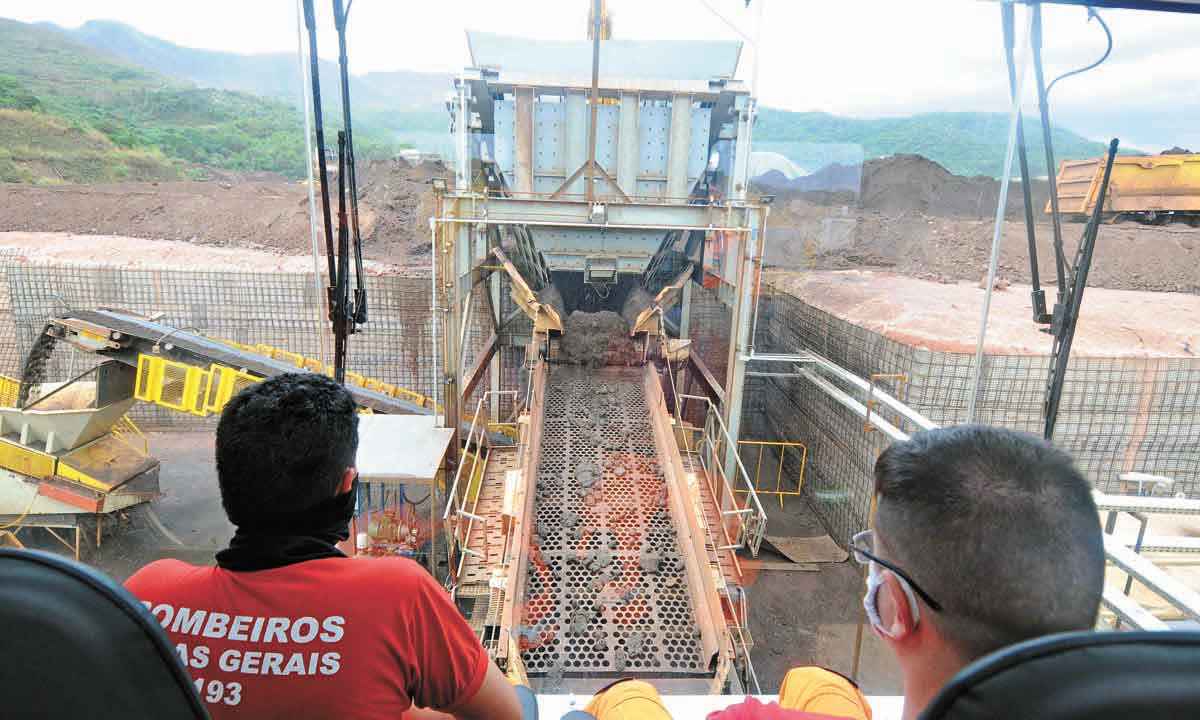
(359, 313)
(1038, 296)
(310, 22)
(341, 314)
(1074, 299)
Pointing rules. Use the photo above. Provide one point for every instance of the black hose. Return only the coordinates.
(1108, 33)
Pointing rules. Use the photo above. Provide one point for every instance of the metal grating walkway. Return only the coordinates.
(607, 590)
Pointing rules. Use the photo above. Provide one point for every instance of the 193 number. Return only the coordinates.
(215, 691)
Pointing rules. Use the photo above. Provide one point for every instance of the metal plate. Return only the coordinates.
(595, 605)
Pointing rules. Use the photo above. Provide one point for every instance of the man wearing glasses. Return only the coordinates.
(983, 538)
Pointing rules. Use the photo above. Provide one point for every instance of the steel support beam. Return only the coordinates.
(627, 143)
(739, 338)
(677, 150)
(575, 213)
(523, 140)
(479, 367)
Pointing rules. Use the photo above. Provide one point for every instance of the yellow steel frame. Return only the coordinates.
(10, 390)
(26, 461)
(783, 448)
(223, 383)
(173, 385)
(217, 397)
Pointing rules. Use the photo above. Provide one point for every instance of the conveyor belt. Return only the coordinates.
(606, 591)
(189, 347)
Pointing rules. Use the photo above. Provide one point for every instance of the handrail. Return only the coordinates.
(456, 507)
(783, 447)
(751, 518)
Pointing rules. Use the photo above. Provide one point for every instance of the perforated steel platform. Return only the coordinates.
(607, 592)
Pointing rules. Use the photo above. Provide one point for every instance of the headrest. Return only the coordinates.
(1073, 676)
(76, 644)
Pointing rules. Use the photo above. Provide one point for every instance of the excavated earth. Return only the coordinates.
(911, 217)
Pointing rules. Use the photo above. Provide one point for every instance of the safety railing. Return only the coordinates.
(462, 500)
(129, 433)
(743, 524)
(737, 612)
(784, 452)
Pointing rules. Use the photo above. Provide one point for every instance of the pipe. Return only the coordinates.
(895, 434)
(433, 310)
(305, 92)
(998, 227)
(891, 401)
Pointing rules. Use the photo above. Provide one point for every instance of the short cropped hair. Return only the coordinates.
(283, 445)
(999, 527)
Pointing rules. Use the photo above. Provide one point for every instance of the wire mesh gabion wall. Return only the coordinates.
(396, 346)
(709, 330)
(1117, 415)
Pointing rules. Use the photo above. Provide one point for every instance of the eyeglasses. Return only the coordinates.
(858, 548)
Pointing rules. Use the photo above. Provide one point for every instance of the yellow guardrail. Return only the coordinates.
(172, 384)
(223, 383)
(313, 365)
(781, 450)
(10, 390)
(202, 391)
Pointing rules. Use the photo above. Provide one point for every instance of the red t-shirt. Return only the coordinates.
(329, 638)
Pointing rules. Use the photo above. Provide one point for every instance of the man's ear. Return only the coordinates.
(348, 480)
(894, 610)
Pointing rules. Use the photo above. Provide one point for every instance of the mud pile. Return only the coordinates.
(597, 339)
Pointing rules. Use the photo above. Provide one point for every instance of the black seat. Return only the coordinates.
(1093, 675)
(76, 644)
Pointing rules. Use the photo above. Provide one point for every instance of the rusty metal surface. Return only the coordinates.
(606, 590)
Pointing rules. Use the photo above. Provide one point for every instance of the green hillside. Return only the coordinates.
(100, 97)
(36, 147)
(201, 107)
(403, 106)
(964, 143)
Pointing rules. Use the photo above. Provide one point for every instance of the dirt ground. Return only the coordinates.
(911, 217)
(255, 213)
(915, 218)
(45, 248)
(945, 317)
(811, 618)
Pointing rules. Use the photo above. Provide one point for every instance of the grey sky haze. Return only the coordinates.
(849, 57)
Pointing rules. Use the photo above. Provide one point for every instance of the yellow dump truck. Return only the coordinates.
(1156, 189)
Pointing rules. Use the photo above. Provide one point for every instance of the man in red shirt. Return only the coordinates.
(285, 625)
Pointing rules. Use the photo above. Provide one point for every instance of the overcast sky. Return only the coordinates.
(849, 57)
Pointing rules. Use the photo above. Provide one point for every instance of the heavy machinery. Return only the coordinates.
(1154, 189)
(594, 181)
(68, 448)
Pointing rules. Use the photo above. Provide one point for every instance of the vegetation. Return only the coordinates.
(167, 109)
(964, 143)
(40, 148)
(96, 108)
(15, 96)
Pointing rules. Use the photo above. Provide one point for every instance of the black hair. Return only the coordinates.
(999, 527)
(283, 445)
